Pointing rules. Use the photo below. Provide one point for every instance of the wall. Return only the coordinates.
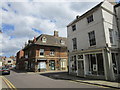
(110, 22)
(82, 32)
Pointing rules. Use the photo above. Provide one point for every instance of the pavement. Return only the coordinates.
(66, 76)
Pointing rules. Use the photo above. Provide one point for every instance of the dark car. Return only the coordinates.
(0, 70)
(5, 71)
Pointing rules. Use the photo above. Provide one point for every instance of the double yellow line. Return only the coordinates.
(9, 84)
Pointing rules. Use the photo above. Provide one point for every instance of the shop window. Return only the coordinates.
(114, 62)
(100, 64)
(93, 64)
(96, 65)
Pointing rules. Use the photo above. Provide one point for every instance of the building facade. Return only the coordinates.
(19, 61)
(45, 53)
(93, 40)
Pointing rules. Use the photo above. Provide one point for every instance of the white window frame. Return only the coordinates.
(44, 39)
(41, 52)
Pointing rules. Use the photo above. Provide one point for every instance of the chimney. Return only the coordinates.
(77, 16)
(56, 33)
(34, 40)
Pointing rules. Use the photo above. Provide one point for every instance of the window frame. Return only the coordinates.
(90, 18)
(74, 27)
(52, 52)
(74, 41)
(41, 52)
(92, 38)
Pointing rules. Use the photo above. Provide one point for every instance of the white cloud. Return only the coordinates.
(44, 16)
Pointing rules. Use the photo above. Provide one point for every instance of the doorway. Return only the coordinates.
(52, 65)
(81, 68)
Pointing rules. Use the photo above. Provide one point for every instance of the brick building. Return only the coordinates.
(45, 53)
(19, 61)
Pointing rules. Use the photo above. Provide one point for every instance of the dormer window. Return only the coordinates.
(62, 42)
(44, 39)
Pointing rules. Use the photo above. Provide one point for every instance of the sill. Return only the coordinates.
(52, 55)
(93, 46)
(41, 56)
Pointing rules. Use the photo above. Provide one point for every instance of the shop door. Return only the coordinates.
(81, 68)
(52, 65)
(42, 65)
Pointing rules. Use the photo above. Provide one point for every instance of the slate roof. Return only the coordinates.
(51, 40)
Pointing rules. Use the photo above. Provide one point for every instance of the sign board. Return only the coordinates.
(94, 67)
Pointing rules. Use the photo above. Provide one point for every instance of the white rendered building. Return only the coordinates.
(93, 43)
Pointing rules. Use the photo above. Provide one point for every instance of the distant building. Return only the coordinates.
(45, 53)
(19, 61)
(93, 43)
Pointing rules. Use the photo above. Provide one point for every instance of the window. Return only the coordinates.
(52, 52)
(74, 27)
(75, 63)
(44, 39)
(90, 19)
(9, 61)
(41, 52)
(92, 39)
(96, 64)
(62, 42)
(74, 43)
(117, 36)
(111, 35)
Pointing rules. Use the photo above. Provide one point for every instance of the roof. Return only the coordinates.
(117, 5)
(7, 59)
(50, 41)
(85, 14)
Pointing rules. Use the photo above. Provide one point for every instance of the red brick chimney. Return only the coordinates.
(56, 33)
(34, 40)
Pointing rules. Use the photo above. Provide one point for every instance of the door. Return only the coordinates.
(42, 65)
(81, 68)
(52, 65)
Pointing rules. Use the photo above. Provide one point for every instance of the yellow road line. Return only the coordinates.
(10, 85)
(6, 83)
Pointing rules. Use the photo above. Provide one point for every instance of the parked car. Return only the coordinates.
(0, 70)
(5, 71)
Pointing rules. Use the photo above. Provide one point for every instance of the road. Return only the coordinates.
(35, 80)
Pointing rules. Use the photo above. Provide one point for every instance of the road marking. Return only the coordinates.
(9, 84)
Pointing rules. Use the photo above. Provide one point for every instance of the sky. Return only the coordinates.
(22, 20)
